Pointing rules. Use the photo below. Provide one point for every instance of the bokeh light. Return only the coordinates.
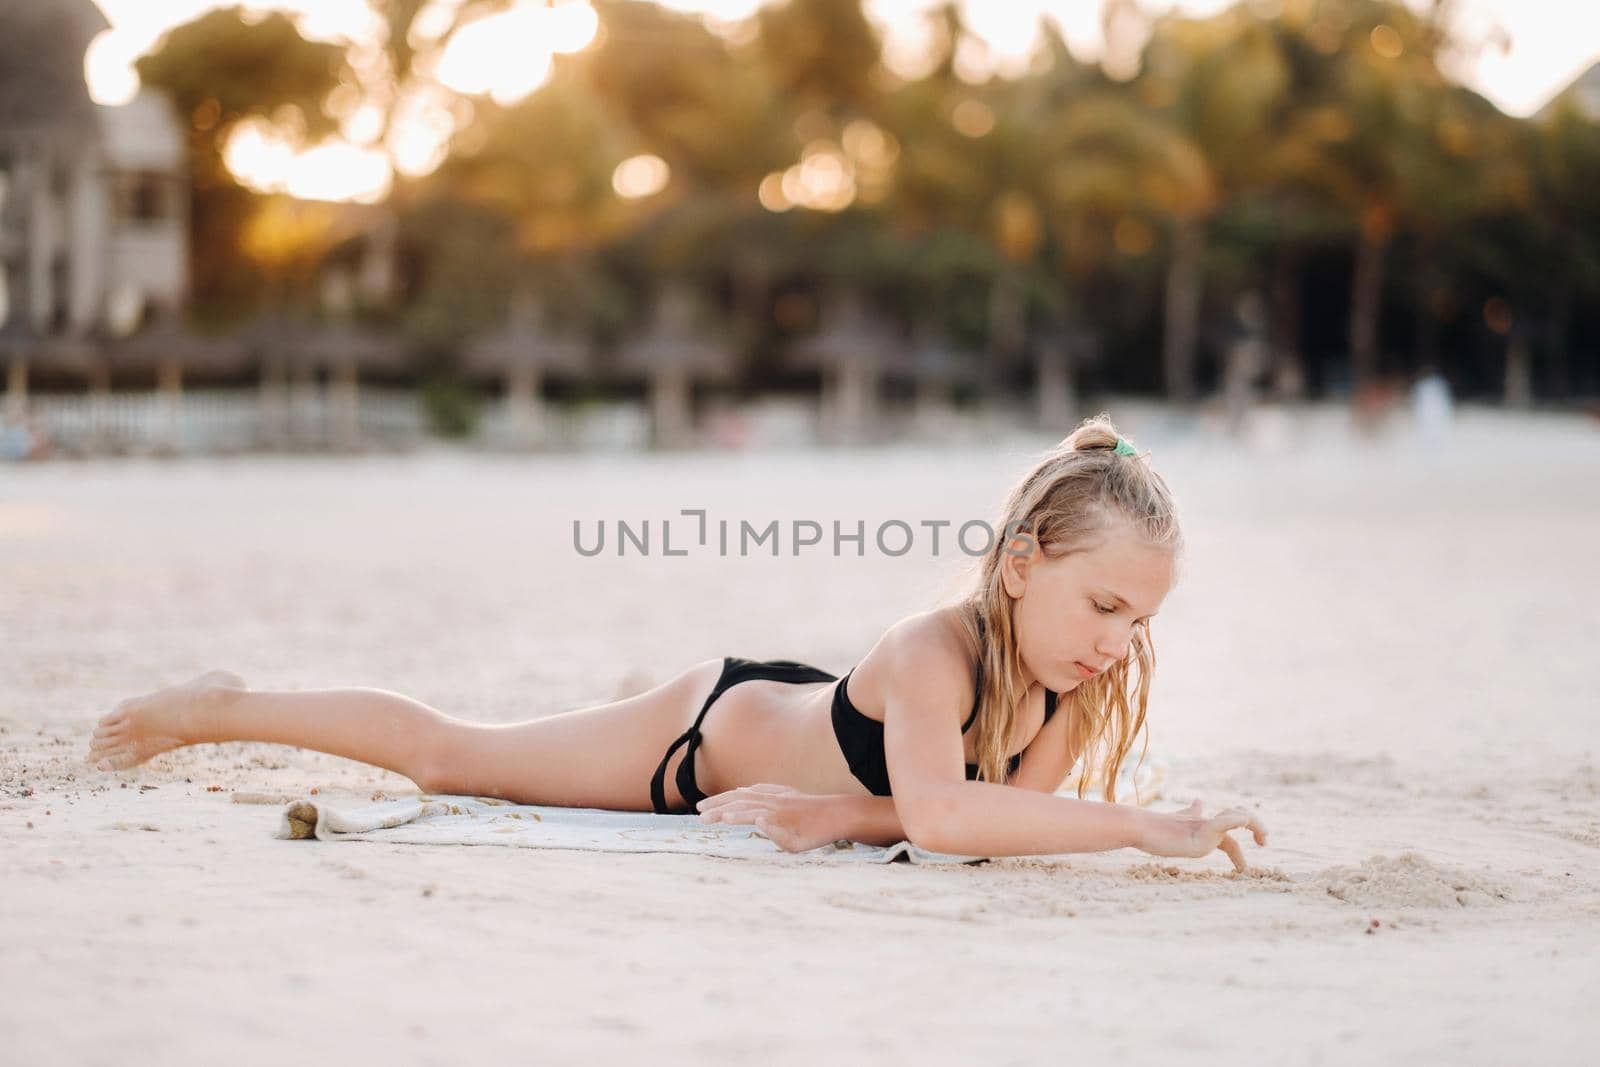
(266, 159)
(1386, 42)
(108, 69)
(972, 118)
(1497, 315)
(771, 193)
(823, 180)
(640, 176)
(506, 56)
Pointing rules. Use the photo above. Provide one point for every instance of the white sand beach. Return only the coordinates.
(1387, 648)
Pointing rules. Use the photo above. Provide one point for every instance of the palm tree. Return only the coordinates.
(1565, 165)
(1223, 84)
(1377, 135)
(1109, 160)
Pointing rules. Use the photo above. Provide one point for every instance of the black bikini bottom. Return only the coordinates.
(734, 671)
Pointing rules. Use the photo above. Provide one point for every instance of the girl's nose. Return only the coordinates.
(1113, 646)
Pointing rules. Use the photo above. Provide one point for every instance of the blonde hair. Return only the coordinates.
(1079, 490)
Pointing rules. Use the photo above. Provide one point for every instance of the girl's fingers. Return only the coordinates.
(1239, 819)
(1231, 847)
(735, 812)
(779, 839)
(742, 793)
(719, 800)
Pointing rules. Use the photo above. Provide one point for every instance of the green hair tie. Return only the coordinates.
(1125, 449)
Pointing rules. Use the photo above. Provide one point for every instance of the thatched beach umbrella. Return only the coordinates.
(346, 349)
(937, 368)
(169, 347)
(25, 348)
(280, 341)
(674, 352)
(521, 352)
(19, 343)
(1057, 355)
(853, 348)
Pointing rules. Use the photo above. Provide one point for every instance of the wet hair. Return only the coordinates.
(1080, 491)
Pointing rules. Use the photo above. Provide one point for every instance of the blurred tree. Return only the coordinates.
(1372, 136)
(1564, 156)
(1463, 162)
(1113, 170)
(524, 201)
(219, 70)
(1224, 84)
(681, 93)
(225, 66)
(822, 54)
(972, 197)
(545, 165)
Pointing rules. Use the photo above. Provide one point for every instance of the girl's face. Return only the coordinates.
(1075, 614)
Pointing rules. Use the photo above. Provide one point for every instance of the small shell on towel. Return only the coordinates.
(302, 816)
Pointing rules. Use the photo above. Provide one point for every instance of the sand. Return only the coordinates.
(1385, 647)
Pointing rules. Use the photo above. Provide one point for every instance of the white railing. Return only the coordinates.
(207, 421)
(210, 421)
(584, 428)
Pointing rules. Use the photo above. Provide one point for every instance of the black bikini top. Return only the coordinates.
(860, 736)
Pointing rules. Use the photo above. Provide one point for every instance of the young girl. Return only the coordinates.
(1044, 661)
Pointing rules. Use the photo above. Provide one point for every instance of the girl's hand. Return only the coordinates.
(794, 821)
(1189, 833)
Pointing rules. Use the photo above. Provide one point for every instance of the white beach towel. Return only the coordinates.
(462, 820)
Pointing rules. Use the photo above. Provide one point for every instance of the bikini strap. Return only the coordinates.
(1050, 695)
(658, 786)
(690, 737)
(977, 696)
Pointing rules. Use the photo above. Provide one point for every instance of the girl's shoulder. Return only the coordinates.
(929, 640)
(929, 652)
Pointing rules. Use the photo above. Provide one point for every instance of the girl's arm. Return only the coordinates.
(943, 812)
(797, 821)
(985, 819)
(870, 820)
(1045, 764)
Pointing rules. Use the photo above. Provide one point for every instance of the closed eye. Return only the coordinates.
(1104, 610)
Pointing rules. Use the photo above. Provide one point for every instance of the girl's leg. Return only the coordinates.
(633, 683)
(594, 757)
(370, 725)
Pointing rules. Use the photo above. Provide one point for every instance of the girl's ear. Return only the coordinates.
(1016, 559)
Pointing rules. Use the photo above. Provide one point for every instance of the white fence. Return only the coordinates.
(212, 421)
(242, 420)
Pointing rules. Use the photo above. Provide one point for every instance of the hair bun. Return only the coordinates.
(1094, 434)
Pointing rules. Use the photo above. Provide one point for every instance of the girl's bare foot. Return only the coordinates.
(146, 726)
